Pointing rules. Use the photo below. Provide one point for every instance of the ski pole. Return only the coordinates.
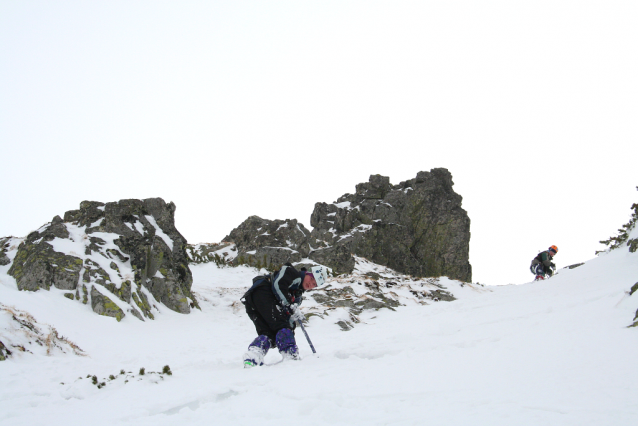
(307, 338)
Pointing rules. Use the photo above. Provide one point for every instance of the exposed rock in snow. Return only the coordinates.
(124, 256)
(219, 253)
(270, 243)
(422, 232)
(417, 227)
(373, 287)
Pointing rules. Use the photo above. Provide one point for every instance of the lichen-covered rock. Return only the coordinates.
(149, 239)
(416, 227)
(37, 265)
(269, 243)
(130, 247)
(142, 302)
(103, 305)
(136, 314)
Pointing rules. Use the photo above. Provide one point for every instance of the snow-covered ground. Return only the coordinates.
(556, 352)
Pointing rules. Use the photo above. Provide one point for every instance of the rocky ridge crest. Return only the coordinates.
(417, 227)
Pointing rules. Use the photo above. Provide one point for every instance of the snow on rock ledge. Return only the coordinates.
(349, 299)
(124, 256)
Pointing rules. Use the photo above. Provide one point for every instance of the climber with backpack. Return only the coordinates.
(272, 304)
(542, 264)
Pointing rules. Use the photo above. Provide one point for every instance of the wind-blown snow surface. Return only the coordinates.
(556, 352)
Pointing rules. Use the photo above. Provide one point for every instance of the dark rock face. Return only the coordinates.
(416, 227)
(37, 265)
(337, 257)
(270, 243)
(131, 248)
(102, 305)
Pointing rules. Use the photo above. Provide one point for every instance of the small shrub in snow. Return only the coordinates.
(623, 233)
(24, 325)
(167, 370)
(142, 371)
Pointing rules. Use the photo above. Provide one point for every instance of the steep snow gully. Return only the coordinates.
(556, 352)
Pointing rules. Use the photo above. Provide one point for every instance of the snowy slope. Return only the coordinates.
(556, 352)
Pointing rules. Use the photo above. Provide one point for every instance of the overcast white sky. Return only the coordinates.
(239, 108)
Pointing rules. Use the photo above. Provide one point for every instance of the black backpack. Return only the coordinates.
(538, 257)
(257, 281)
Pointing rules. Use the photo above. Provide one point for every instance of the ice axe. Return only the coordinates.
(307, 338)
(296, 317)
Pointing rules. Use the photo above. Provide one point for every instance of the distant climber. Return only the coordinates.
(272, 304)
(542, 264)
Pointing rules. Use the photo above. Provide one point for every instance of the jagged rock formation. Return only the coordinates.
(416, 227)
(220, 254)
(270, 243)
(122, 256)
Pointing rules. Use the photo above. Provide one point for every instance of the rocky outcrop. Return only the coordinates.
(128, 253)
(349, 299)
(38, 266)
(417, 227)
(338, 257)
(269, 243)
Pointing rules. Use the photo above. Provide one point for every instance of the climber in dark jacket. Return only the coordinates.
(272, 304)
(542, 264)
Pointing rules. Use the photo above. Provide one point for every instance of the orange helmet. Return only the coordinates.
(554, 249)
